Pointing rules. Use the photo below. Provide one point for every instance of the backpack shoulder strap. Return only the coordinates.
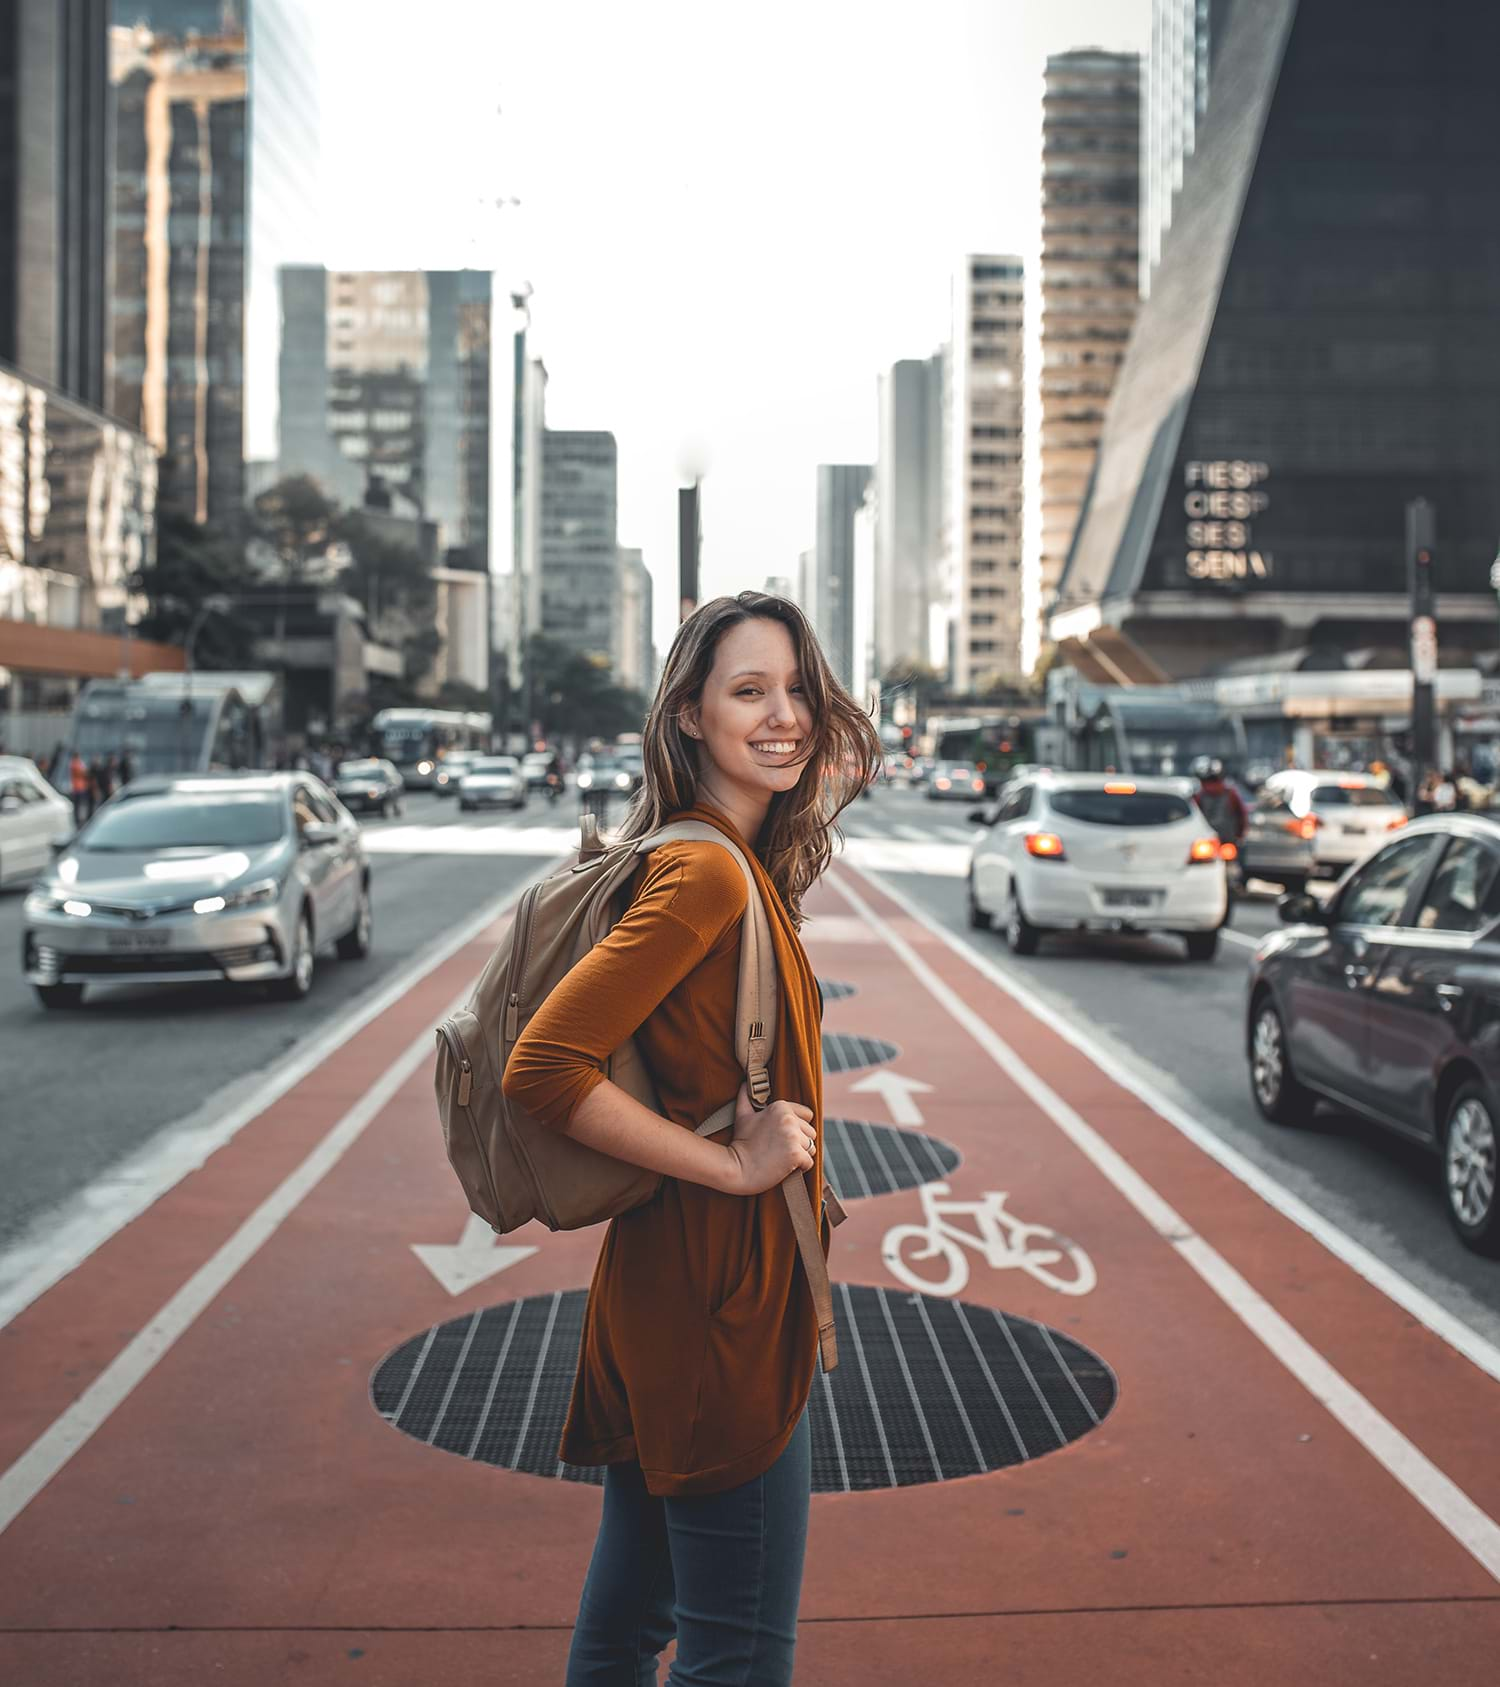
(756, 1016)
(755, 1028)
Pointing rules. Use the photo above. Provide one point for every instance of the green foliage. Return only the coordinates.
(575, 697)
(194, 562)
(295, 519)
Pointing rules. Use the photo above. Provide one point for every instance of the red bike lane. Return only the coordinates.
(1229, 1460)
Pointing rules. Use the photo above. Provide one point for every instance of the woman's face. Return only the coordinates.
(754, 718)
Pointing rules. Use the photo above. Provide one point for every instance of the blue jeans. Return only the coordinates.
(721, 1571)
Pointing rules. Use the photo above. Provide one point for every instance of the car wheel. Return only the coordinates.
(59, 995)
(298, 981)
(1469, 1167)
(978, 918)
(1021, 935)
(1278, 1095)
(1201, 945)
(354, 945)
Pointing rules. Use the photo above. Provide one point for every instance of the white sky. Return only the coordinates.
(733, 217)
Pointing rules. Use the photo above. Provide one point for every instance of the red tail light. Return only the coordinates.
(1203, 849)
(1304, 828)
(1228, 852)
(1396, 824)
(1045, 844)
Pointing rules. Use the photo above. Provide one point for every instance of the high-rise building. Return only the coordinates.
(1320, 346)
(635, 657)
(807, 581)
(909, 509)
(385, 387)
(580, 558)
(841, 493)
(982, 562)
(177, 341)
(1185, 40)
(1089, 280)
(287, 212)
(54, 192)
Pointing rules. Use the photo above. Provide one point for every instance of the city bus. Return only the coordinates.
(991, 741)
(176, 723)
(416, 740)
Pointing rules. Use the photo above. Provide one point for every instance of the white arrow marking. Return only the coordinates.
(897, 1093)
(474, 1258)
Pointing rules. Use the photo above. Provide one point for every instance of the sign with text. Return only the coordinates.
(1222, 500)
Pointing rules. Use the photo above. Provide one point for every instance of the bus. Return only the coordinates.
(992, 741)
(416, 740)
(176, 723)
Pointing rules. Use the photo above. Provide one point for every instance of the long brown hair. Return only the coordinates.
(796, 842)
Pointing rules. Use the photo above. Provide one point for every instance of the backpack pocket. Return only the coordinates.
(471, 1109)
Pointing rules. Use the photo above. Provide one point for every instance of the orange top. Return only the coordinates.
(700, 1339)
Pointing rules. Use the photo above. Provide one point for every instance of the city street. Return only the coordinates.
(1124, 1412)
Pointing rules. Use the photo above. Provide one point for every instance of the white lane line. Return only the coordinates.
(912, 834)
(1239, 937)
(59, 1241)
(1461, 1337)
(134, 1363)
(1435, 1492)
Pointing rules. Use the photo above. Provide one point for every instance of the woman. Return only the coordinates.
(699, 1342)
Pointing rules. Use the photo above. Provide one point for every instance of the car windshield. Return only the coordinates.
(494, 764)
(1119, 808)
(169, 822)
(1351, 796)
(358, 769)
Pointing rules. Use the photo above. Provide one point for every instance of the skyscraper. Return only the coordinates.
(909, 500)
(634, 652)
(580, 567)
(177, 348)
(981, 586)
(1185, 40)
(54, 192)
(385, 383)
(841, 493)
(1320, 345)
(1090, 256)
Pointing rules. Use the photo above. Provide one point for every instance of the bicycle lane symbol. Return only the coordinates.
(1004, 1241)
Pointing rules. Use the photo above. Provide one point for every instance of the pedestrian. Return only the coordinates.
(127, 767)
(111, 773)
(81, 787)
(1445, 793)
(700, 1340)
(1425, 800)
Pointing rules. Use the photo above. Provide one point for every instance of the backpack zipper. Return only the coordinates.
(461, 1056)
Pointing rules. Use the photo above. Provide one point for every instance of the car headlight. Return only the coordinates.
(424, 767)
(623, 781)
(42, 902)
(585, 780)
(252, 896)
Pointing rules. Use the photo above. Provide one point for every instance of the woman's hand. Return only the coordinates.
(768, 1145)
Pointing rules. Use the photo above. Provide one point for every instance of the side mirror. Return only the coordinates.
(59, 845)
(1301, 909)
(316, 833)
(980, 817)
(10, 805)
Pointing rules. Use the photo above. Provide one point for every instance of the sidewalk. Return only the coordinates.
(1290, 1479)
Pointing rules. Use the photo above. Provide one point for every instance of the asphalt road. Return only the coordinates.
(83, 1091)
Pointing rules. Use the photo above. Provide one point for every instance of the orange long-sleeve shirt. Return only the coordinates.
(699, 1342)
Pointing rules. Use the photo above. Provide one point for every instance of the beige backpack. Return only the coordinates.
(512, 1167)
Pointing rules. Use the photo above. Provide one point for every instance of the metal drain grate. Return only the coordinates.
(834, 990)
(926, 1389)
(843, 1051)
(862, 1159)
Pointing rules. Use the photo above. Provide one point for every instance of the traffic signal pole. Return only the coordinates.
(1421, 540)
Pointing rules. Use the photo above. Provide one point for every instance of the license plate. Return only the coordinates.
(1130, 898)
(132, 942)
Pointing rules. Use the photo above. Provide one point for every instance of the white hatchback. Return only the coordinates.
(1095, 852)
(33, 817)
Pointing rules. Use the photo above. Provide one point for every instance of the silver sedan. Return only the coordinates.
(175, 880)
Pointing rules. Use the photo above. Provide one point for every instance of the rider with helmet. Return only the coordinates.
(1223, 807)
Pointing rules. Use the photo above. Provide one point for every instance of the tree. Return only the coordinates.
(574, 696)
(195, 561)
(295, 519)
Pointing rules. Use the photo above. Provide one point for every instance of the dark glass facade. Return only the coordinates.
(1350, 347)
(580, 564)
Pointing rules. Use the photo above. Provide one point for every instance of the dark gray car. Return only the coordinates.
(1387, 1001)
(234, 876)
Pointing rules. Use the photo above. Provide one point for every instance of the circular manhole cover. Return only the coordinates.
(863, 1160)
(926, 1389)
(834, 989)
(844, 1051)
